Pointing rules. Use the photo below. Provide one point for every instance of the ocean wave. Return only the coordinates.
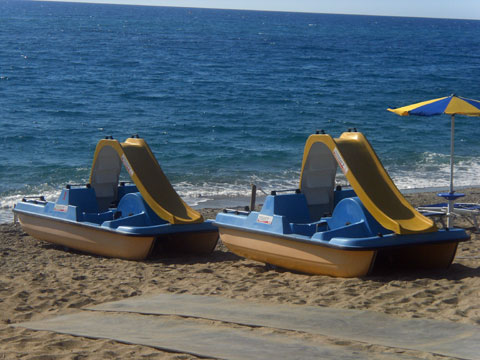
(224, 194)
(466, 173)
(7, 202)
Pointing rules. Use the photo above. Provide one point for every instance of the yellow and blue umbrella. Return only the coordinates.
(450, 105)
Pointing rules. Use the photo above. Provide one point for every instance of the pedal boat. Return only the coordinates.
(326, 230)
(115, 219)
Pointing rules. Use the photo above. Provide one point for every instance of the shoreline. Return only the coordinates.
(237, 202)
(39, 280)
(222, 202)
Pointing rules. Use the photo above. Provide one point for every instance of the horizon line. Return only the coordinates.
(106, 2)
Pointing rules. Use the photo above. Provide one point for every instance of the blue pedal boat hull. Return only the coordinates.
(346, 244)
(129, 231)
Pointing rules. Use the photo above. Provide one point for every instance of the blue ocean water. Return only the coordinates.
(226, 98)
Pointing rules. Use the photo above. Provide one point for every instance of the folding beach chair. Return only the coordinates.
(470, 211)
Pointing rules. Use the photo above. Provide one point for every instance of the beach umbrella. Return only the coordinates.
(450, 105)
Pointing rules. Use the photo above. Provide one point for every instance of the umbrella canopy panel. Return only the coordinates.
(450, 105)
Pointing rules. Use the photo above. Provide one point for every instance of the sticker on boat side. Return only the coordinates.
(264, 219)
(340, 161)
(127, 165)
(61, 208)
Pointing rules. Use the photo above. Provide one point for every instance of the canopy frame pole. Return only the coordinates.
(451, 200)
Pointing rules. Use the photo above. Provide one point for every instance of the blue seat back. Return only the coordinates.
(133, 204)
(292, 206)
(125, 189)
(348, 211)
(83, 198)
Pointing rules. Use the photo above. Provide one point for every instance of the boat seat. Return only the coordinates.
(132, 204)
(124, 189)
(83, 198)
(348, 220)
(348, 211)
(293, 206)
(106, 198)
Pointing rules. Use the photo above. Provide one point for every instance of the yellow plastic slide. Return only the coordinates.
(371, 183)
(145, 172)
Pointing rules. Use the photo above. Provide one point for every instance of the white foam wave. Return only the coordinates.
(195, 195)
(8, 202)
(433, 171)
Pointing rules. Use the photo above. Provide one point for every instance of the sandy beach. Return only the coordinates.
(40, 280)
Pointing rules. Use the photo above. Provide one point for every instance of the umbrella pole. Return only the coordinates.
(451, 201)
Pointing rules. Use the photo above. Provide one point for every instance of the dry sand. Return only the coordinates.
(39, 280)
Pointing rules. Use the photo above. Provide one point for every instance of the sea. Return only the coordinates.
(226, 98)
